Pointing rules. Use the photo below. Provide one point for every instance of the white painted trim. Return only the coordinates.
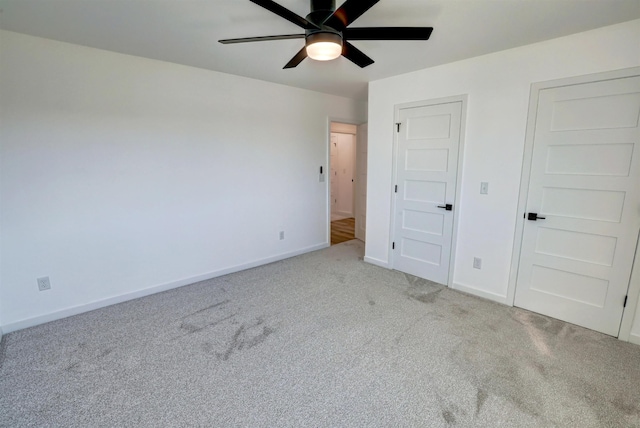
(344, 214)
(527, 157)
(633, 294)
(64, 313)
(327, 168)
(634, 338)
(456, 211)
(344, 128)
(463, 99)
(634, 286)
(480, 293)
(377, 262)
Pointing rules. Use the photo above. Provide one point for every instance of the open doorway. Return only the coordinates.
(347, 181)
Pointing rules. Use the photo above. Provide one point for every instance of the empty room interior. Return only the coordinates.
(173, 175)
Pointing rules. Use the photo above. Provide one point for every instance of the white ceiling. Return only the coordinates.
(186, 32)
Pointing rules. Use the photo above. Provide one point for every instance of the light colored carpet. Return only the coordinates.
(319, 340)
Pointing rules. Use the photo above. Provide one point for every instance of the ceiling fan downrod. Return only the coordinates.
(320, 11)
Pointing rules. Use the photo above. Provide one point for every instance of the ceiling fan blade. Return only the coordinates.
(354, 55)
(261, 39)
(285, 13)
(302, 54)
(388, 33)
(349, 12)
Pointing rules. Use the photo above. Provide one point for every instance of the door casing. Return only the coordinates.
(463, 99)
(327, 167)
(634, 286)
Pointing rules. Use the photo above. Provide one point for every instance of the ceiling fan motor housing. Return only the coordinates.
(320, 11)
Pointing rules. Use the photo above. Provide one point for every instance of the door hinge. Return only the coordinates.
(396, 191)
(398, 126)
(624, 305)
(393, 245)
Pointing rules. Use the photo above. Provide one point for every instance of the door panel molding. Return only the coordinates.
(536, 88)
(419, 165)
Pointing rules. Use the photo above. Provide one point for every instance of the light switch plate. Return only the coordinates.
(477, 263)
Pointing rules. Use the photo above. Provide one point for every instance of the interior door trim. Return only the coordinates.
(463, 99)
(634, 287)
(327, 166)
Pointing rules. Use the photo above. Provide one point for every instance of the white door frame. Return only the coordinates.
(327, 168)
(634, 286)
(456, 210)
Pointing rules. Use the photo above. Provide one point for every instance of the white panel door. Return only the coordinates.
(426, 169)
(361, 182)
(576, 258)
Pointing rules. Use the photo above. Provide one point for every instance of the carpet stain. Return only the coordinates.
(266, 332)
(449, 417)
(424, 297)
(626, 405)
(619, 412)
(72, 367)
(215, 305)
(540, 368)
(235, 344)
(3, 351)
(416, 281)
(549, 325)
(372, 303)
(190, 328)
(341, 278)
(481, 397)
(459, 310)
(246, 338)
(105, 352)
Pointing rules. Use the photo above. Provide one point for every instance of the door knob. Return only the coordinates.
(534, 217)
(447, 207)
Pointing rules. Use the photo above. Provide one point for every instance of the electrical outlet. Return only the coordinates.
(281, 235)
(477, 263)
(44, 283)
(484, 188)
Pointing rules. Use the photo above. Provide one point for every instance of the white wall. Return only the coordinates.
(122, 176)
(498, 87)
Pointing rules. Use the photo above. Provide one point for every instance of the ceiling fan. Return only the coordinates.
(326, 34)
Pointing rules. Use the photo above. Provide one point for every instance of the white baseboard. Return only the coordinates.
(344, 214)
(377, 262)
(480, 293)
(634, 338)
(75, 310)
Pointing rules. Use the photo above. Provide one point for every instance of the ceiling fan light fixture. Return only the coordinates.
(324, 46)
